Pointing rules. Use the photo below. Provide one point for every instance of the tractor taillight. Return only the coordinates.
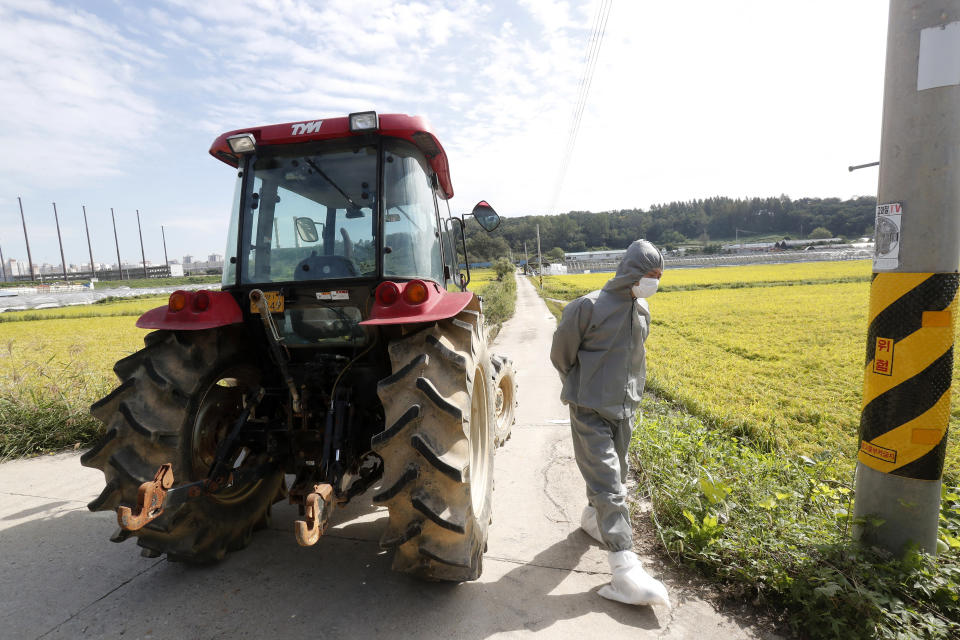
(201, 301)
(364, 121)
(178, 300)
(415, 292)
(387, 293)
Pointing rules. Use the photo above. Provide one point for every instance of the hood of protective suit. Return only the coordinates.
(641, 258)
(598, 346)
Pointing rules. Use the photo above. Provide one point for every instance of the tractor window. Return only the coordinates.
(311, 216)
(411, 236)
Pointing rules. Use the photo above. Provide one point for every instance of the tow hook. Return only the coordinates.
(150, 499)
(317, 508)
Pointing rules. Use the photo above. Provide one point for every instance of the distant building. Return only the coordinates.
(213, 264)
(581, 261)
(554, 269)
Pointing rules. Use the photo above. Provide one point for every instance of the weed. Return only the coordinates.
(775, 528)
(50, 373)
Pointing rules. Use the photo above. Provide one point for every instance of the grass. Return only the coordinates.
(480, 278)
(101, 309)
(774, 528)
(50, 373)
(499, 297)
(142, 283)
(572, 286)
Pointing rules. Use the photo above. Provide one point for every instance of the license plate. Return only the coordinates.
(274, 302)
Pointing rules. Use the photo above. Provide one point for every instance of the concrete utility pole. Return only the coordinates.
(63, 261)
(913, 297)
(3, 267)
(143, 256)
(526, 259)
(116, 242)
(25, 238)
(539, 259)
(165, 261)
(93, 270)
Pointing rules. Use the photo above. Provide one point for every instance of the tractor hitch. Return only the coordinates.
(317, 507)
(150, 498)
(156, 496)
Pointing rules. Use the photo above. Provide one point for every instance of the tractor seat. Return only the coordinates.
(315, 267)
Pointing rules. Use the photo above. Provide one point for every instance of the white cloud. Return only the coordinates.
(72, 107)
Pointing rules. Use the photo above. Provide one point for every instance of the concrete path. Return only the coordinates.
(60, 577)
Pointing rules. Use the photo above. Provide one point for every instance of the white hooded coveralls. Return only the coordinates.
(598, 350)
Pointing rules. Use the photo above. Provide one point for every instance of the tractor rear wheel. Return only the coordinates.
(178, 398)
(437, 449)
(504, 397)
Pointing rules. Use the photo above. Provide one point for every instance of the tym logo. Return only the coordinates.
(306, 127)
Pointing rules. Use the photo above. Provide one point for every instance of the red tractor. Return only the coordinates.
(343, 350)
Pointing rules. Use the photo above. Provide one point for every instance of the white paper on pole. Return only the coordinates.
(939, 64)
(887, 229)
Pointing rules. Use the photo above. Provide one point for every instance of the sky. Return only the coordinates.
(115, 104)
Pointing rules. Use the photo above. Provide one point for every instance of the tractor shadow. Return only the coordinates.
(61, 576)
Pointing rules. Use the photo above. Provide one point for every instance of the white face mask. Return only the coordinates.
(645, 288)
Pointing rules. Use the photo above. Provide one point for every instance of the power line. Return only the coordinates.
(583, 90)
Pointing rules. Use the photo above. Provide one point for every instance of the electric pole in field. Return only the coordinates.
(913, 296)
(165, 261)
(93, 270)
(143, 256)
(3, 267)
(117, 243)
(63, 261)
(25, 238)
(526, 259)
(539, 259)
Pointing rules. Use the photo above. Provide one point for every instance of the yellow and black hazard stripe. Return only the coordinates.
(909, 369)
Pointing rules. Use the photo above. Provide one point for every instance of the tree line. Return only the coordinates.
(707, 222)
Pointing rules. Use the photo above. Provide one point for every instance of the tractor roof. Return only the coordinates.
(412, 128)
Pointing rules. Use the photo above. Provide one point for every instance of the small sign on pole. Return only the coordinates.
(886, 254)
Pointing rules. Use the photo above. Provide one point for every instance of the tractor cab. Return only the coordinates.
(328, 209)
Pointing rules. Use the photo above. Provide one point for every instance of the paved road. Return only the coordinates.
(61, 578)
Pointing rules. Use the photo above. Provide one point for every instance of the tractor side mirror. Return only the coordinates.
(486, 216)
(307, 230)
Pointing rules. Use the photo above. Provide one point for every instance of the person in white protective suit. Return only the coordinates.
(598, 351)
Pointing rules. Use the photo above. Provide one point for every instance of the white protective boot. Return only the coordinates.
(588, 522)
(630, 583)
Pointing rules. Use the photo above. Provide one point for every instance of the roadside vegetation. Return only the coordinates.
(50, 373)
(748, 450)
(774, 528)
(767, 275)
(109, 307)
(498, 288)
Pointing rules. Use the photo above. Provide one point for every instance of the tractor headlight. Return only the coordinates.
(242, 143)
(364, 121)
